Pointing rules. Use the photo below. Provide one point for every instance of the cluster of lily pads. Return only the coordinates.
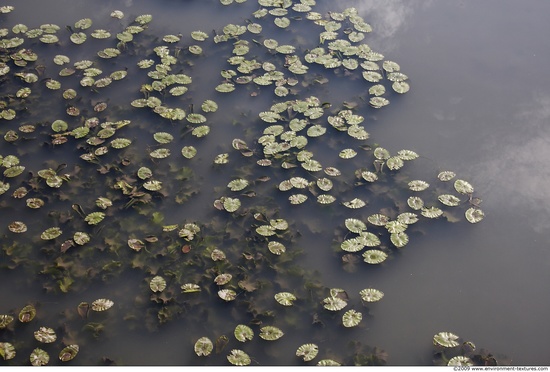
(450, 351)
(44, 335)
(125, 166)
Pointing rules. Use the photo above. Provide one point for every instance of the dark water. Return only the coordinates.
(478, 105)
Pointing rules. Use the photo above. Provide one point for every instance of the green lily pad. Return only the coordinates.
(68, 352)
(351, 318)
(238, 358)
(460, 360)
(227, 294)
(188, 152)
(374, 256)
(371, 295)
(334, 303)
(27, 314)
(39, 357)
(243, 333)
(51, 233)
(270, 333)
(474, 215)
(102, 304)
(399, 239)
(285, 298)
(157, 284)
(354, 225)
(445, 339)
(45, 335)
(94, 218)
(463, 187)
(308, 352)
(203, 346)
(7, 351)
(5, 320)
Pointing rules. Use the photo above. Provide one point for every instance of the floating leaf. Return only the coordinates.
(463, 187)
(102, 304)
(243, 333)
(334, 303)
(378, 219)
(445, 339)
(399, 239)
(446, 176)
(354, 225)
(27, 314)
(94, 218)
(297, 198)
(270, 333)
(45, 335)
(354, 203)
(460, 360)
(474, 215)
(227, 294)
(449, 200)
(328, 362)
(418, 185)
(51, 233)
(190, 288)
(231, 204)
(431, 212)
(157, 284)
(237, 184)
(238, 358)
(374, 256)
(351, 318)
(415, 202)
(160, 153)
(5, 320)
(285, 298)
(68, 353)
(223, 279)
(188, 152)
(276, 248)
(308, 352)
(39, 357)
(203, 346)
(7, 351)
(371, 295)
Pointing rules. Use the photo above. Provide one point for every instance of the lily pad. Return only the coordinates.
(203, 346)
(445, 339)
(270, 333)
(7, 351)
(68, 352)
(45, 335)
(51, 233)
(157, 284)
(243, 333)
(371, 295)
(27, 314)
(285, 298)
(102, 304)
(238, 358)
(474, 215)
(351, 318)
(39, 357)
(227, 294)
(308, 352)
(374, 256)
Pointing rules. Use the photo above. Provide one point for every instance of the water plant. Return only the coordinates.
(136, 205)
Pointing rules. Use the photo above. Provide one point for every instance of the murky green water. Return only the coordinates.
(477, 106)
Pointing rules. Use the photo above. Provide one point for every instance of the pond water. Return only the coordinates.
(478, 105)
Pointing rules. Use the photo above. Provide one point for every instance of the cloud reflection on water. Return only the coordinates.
(514, 166)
